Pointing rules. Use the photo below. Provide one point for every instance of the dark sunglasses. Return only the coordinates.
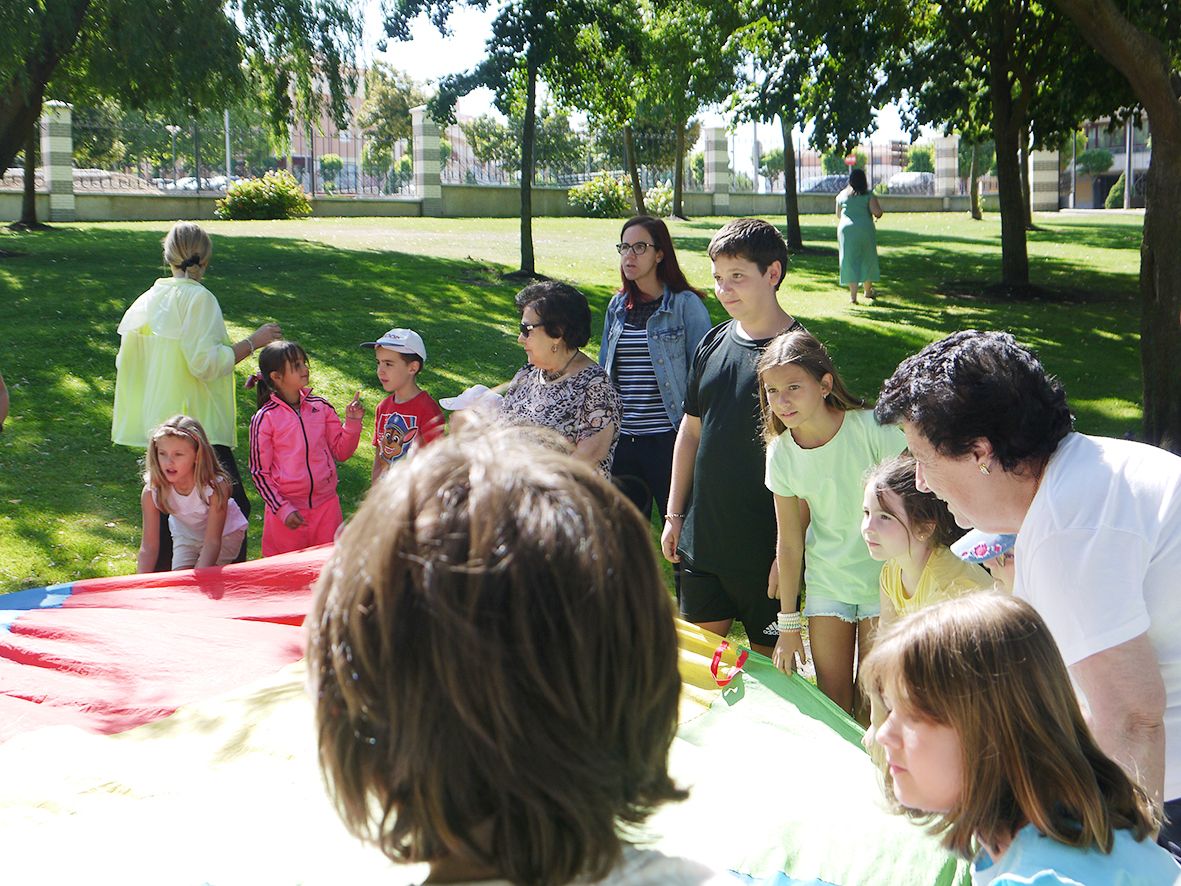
(526, 328)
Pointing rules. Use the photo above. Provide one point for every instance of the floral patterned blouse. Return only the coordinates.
(577, 406)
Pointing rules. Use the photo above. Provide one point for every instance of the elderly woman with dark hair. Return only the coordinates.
(561, 388)
(1098, 525)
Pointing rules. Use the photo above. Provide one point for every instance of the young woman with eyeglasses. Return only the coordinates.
(651, 331)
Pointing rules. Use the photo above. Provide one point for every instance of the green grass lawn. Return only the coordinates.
(69, 499)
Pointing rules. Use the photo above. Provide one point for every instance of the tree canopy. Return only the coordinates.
(531, 40)
(558, 147)
(385, 113)
(816, 64)
(187, 55)
(996, 70)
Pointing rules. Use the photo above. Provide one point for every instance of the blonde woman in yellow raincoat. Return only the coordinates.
(176, 357)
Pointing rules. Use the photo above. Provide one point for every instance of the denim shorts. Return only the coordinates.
(814, 604)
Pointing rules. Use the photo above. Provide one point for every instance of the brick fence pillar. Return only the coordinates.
(947, 166)
(1043, 181)
(717, 168)
(428, 166)
(57, 158)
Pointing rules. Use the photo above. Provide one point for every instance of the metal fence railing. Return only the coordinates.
(485, 152)
(114, 151)
(352, 163)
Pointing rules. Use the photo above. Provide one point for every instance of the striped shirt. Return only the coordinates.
(643, 407)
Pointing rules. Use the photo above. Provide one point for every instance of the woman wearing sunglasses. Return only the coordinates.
(561, 388)
(651, 331)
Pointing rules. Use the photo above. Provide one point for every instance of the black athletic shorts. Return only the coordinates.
(707, 597)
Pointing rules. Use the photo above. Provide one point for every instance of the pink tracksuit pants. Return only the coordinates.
(319, 528)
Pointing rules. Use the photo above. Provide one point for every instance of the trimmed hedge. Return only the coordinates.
(604, 196)
(659, 200)
(276, 195)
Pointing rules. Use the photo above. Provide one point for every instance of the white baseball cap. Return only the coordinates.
(473, 395)
(404, 341)
(978, 546)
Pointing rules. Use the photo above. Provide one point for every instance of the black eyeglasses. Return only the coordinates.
(634, 248)
(526, 328)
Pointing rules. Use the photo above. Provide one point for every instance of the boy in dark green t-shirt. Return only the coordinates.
(720, 522)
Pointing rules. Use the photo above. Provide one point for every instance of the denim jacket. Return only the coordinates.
(674, 331)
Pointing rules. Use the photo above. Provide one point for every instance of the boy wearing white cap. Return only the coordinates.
(408, 418)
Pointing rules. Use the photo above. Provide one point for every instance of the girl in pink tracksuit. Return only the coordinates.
(296, 439)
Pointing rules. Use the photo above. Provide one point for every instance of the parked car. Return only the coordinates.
(911, 183)
(824, 184)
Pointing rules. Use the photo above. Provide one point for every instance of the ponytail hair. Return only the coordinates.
(187, 246)
(801, 348)
(921, 510)
(275, 357)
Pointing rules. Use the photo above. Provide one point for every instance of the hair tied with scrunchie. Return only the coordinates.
(190, 261)
(252, 380)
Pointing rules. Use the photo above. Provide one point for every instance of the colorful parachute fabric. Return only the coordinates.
(182, 749)
(112, 653)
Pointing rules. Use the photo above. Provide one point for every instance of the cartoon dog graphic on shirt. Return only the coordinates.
(396, 438)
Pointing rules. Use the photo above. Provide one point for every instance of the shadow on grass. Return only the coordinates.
(65, 486)
(1093, 235)
(70, 498)
(969, 266)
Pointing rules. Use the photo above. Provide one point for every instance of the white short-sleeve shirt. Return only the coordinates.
(1099, 557)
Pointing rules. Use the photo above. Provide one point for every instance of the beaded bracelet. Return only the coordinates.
(788, 622)
(678, 516)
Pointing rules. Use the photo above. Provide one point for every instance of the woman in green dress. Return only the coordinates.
(857, 209)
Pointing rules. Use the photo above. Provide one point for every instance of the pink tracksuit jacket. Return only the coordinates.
(293, 455)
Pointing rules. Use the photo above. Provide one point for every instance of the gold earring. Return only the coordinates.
(983, 469)
(553, 349)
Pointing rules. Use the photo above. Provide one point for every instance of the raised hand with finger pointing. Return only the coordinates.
(356, 409)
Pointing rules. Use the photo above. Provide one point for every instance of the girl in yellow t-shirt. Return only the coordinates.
(910, 531)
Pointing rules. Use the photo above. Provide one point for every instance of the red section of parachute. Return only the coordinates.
(731, 673)
(120, 652)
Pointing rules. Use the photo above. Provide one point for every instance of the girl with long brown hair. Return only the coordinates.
(187, 489)
(985, 742)
(820, 442)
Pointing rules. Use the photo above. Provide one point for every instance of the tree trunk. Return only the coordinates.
(791, 200)
(1014, 257)
(974, 182)
(1026, 200)
(22, 94)
(1160, 296)
(633, 169)
(1147, 66)
(29, 201)
(528, 138)
(679, 174)
(1006, 131)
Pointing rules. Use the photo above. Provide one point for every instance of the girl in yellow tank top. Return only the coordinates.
(909, 532)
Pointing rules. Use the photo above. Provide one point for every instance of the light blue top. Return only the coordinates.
(1037, 860)
(674, 332)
